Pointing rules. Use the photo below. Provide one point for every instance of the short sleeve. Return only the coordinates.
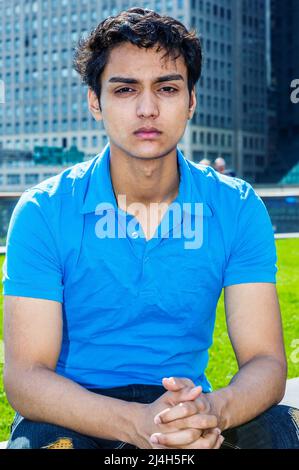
(32, 267)
(253, 252)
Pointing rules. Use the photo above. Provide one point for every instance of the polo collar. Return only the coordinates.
(189, 193)
(100, 189)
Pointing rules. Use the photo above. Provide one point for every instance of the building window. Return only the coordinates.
(13, 179)
(31, 178)
(260, 161)
(104, 140)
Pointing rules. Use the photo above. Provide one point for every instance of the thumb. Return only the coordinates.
(174, 384)
(171, 384)
(188, 391)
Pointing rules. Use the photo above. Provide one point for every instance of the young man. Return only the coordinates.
(114, 269)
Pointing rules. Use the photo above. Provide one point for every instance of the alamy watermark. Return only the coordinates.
(295, 92)
(2, 92)
(1, 352)
(294, 357)
(177, 221)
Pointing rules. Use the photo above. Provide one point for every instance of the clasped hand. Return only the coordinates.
(188, 422)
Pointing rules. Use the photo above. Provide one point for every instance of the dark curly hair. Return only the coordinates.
(143, 28)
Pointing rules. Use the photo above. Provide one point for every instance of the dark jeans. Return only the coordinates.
(276, 428)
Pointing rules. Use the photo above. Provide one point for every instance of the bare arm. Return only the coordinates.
(254, 327)
(32, 337)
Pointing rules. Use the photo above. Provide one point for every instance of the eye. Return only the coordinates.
(121, 91)
(170, 89)
(167, 89)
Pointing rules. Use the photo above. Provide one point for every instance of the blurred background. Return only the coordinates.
(247, 118)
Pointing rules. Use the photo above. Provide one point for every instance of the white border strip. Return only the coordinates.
(279, 191)
(286, 235)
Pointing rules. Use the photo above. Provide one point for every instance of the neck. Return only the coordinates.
(145, 180)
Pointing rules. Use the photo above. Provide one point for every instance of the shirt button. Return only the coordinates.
(134, 235)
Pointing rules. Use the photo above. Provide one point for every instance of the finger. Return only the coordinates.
(209, 439)
(219, 442)
(177, 416)
(177, 383)
(184, 394)
(157, 446)
(194, 445)
(173, 439)
(202, 404)
(182, 410)
(179, 411)
(190, 394)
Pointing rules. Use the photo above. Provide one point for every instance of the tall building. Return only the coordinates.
(47, 105)
(285, 68)
(232, 111)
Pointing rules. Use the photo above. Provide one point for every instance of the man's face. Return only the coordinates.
(138, 89)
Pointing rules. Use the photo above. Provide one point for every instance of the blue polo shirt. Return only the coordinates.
(135, 311)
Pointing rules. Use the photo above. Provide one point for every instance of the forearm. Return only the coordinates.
(40, 394)
(258, 385)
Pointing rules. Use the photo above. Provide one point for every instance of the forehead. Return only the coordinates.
(128, 59)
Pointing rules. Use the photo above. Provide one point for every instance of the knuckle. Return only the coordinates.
(172, 426)
(203, 422)
(180, 424)
(188, 405)
(193, 407)
(214, 422)
(185, 407)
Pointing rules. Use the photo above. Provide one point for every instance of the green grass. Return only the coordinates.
(6, 412)
(222, 365)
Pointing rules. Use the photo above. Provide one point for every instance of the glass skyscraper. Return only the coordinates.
(285, 70)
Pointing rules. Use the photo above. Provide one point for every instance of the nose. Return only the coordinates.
(147, 105)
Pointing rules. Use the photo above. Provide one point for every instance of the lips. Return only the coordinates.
(147, 132)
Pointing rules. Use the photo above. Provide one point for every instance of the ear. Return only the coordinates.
(192, 104)
(93, 105)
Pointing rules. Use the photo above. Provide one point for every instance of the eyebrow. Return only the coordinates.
(164, 78)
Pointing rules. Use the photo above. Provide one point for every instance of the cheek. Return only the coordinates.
(116, 119)
(178, 109)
